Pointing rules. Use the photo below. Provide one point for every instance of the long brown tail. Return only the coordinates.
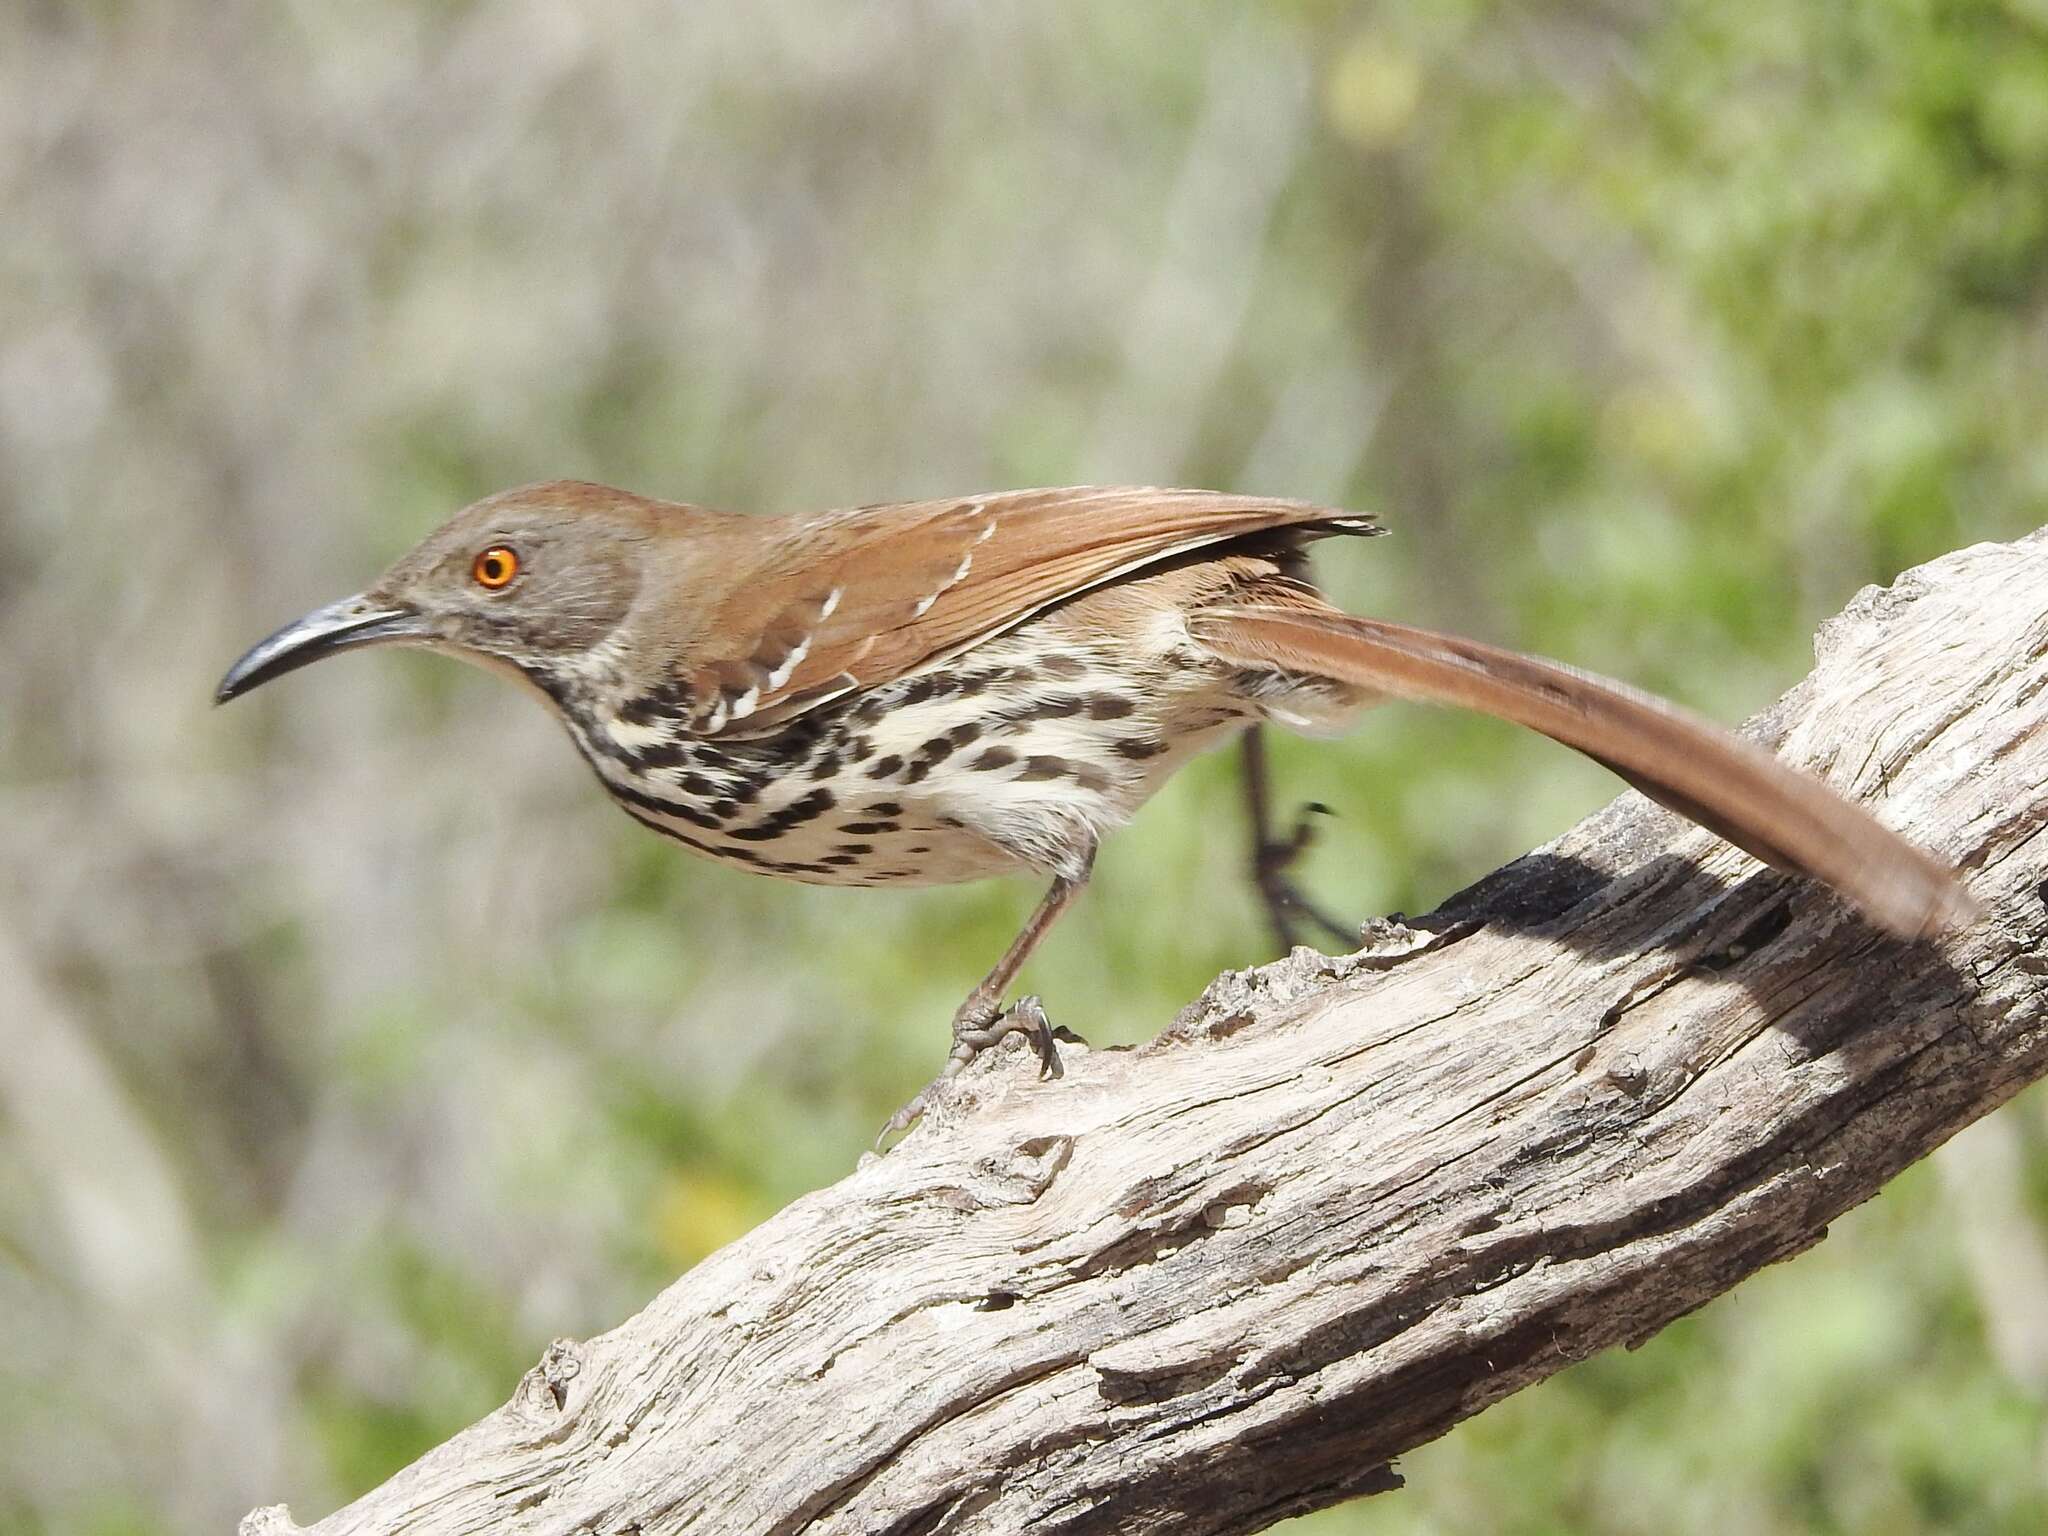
(1727, 784)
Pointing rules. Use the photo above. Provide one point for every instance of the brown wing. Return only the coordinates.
(854, 599)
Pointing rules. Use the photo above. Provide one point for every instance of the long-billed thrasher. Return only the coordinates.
(936, 691)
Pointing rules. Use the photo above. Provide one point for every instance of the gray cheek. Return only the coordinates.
(533, 621)
(583, 606)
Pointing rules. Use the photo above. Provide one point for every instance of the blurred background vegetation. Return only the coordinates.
(351, 1047)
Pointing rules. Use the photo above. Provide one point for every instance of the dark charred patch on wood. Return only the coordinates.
(1768, 925)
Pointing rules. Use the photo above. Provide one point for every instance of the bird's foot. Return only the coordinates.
(980, 1024)
(977, 1026)
(1287, 909)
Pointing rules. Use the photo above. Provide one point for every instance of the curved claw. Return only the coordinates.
(976, 1027)
(1027, 1018)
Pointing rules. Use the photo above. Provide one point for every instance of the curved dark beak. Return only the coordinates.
(343, 626)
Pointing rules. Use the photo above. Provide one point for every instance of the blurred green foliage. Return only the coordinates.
(358, 1049)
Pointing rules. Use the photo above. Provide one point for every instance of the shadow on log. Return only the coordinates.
(1342, 1204)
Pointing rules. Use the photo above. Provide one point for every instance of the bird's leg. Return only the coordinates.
(982, 1021)
(1273, 857)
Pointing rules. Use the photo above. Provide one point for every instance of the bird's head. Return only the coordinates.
(533, 579)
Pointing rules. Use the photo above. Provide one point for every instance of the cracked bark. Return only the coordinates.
(1342, 1204)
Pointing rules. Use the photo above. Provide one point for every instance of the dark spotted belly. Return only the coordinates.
(1014, 757)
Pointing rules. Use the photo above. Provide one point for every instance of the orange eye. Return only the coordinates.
(494, 569)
